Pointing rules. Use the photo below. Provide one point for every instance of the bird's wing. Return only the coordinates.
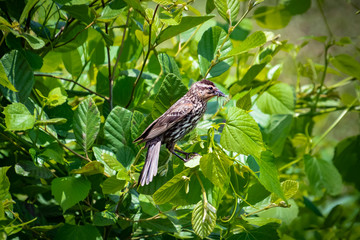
(173, 115)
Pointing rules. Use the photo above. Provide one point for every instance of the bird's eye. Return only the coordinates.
(210, 88)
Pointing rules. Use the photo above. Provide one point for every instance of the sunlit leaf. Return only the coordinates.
(90, 168)
(228, 9)
(18, 117)
(203, 219)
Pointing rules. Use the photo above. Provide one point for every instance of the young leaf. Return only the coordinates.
(241, 133)
(203, 219)
(18, 117)
(228, 9)
(346, 64)
(207, 51)
(68, 191)
(278, 99)
(170, 91)
(323, 174)
(86, 123)
(19, 74)
(186, 23)
(289, 187)
(167, 191)
(56, 97)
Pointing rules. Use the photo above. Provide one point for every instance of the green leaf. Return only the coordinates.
(277, 132)
(208, 50)
(268, 232)
(215, 166)
(255, 40)
(167, 191)
(171, 17)
(54, 152)
(112, 162)
(272, 17)
(203, 219)
(289, 187)
(348, 149)
(19, 74)
(72, 37)
(346, 64)
(4, 81)
(168, 65)
(244, 102)
(34, 42)
(72, 62)
(104, 218)
(125, 156)
(117, 128)
(57, 96)
(29, 169)
(90, 168)
(170, 91)
(278, 99)
(136, 5)
(99, 152)
(18, 117)
(323, 174)
(77, 232)
(112, 185)
(68, 191)
(186, 23)
(52, 121)
(81, 12)
(97, 51)
(241, 133)
(286, 215)
(86, 123)
(111, 10)
(29, 5)
(269, 177)
(4, 184)
(297, 6)
(228, 9)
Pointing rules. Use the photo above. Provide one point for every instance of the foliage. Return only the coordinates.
(80, 80)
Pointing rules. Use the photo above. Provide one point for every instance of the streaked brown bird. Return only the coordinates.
(174, 124)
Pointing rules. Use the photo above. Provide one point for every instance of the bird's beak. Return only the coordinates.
(219, 93)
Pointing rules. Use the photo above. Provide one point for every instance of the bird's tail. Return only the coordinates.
(151, 162)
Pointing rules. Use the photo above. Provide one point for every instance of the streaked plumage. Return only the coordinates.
(174, 124)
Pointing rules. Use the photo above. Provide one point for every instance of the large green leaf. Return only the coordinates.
(18, 117)
(81, 12)
(170, 91)
(117, 128)
(168, 65)
(68, 191)
(278, 99)
(348, 149)
(72, 62)
(77, 232)
(86, 123)
(346, 64)
(186, 23)
(19, 74)
(208, 50)
(203, 219)
(228, 9)
(29, 169)
(241, 133)
(72, 37)
(215, 166)
(107, 158)
(167, 191)
(269, 176)
(112, 185)
(323, 174)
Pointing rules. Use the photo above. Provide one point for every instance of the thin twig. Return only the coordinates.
(145, 60)
(70, 80)
(77, 34)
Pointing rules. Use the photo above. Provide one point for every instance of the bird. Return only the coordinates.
(173, 125)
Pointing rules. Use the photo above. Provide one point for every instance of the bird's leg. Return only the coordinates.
(173, 152)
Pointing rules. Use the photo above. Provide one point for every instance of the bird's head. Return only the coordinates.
(206, 90)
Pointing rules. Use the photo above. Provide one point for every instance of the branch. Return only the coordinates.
(145, 60)
(70, 80)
